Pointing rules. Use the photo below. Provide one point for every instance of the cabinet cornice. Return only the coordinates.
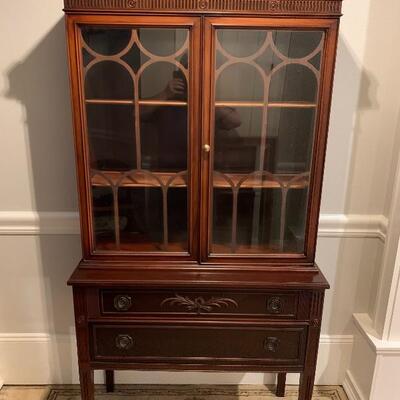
(264, 7)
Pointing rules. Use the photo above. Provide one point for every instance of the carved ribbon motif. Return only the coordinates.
(199, 304)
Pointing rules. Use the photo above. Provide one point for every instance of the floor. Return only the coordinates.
(166, 392)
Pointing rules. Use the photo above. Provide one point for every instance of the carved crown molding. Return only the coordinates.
(290, 7)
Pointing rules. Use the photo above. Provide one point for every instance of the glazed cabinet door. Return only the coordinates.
(267, 87)
(135, 90)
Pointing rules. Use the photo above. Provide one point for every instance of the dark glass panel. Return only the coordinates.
(293, 82)
(177, 217)
(141, 219)
(103, 217)
(258, 219)
(106, 41)
(222, 220)
(162, 42)
(164, 136)
(237, 139)
(108, 80)
(163, 81)
(240, 82)
(86, 57)
(241, 42)
(111, 132)
(297, 44)
(135, 58)
(296, 211)
(290, 134)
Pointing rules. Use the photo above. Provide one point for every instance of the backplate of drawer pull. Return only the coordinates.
(122, 302)
(124, 342)
(271, 344)
(274, 305)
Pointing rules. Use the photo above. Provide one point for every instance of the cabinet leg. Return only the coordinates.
(109, 380)
(86, 377)
(306, 385)
(280, 386)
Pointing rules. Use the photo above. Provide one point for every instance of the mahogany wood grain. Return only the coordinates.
(281, 383)
(109, 378)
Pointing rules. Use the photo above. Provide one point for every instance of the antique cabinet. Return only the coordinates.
(200, 134)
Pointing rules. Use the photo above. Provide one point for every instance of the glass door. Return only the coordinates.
(260, 138)
(139, 83)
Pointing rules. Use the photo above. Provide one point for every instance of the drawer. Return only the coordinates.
(193, 344)
(278, 304)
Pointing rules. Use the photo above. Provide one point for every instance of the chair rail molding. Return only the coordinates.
(57, 354)
(67, 223)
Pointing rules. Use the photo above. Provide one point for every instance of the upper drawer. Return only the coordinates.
(285, 304)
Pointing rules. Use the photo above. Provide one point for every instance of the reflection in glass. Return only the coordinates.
(248, 83)
(136, 93)
(108, 80)
(289, 143)
(294, 82)
(111, 136)
(164, 138)
(297, 44)
(159, 81)
(237, 138)
(162, 42)
(103, 216)
(266, 92)
(106, 42)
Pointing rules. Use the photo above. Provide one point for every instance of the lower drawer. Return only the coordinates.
(145, 343)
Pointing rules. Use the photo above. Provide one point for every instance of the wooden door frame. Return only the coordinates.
(330, 27)
(193, 23)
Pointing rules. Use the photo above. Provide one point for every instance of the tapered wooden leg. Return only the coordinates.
(86, 377)
(308, 375)
(306, 385)
(280, 386)
(109, 381)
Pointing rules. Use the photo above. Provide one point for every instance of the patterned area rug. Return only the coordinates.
(191, 392)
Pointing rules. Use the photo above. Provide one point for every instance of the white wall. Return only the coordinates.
(37, 174)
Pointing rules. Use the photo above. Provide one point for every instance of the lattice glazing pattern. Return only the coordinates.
(136, 94)
(265, 103)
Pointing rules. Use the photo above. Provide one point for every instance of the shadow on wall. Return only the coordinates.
(40, 84)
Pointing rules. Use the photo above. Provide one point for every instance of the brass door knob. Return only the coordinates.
(206, 148)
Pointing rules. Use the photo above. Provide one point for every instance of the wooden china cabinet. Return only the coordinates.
(200, 134)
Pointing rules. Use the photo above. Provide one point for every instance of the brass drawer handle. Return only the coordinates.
(271, 344)
(122, 302)
(274, 305)
(124, 342)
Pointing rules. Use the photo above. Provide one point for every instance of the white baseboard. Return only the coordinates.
(67, 223)
(41, 358)
(351, 388)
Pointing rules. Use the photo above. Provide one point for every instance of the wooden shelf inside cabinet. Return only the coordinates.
(288, 104)
(137, 178)
(154, 102)
(261, 180)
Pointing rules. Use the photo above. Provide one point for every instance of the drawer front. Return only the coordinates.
(143, 343)
(181, 302)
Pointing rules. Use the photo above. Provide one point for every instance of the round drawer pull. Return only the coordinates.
(124, 342)
(274, 305)
(271, 344)
(122, 302)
